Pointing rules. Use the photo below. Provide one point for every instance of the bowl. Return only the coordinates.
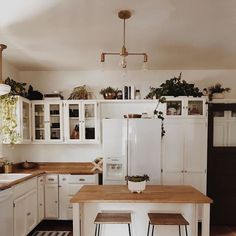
(133, 116)
(28, 165)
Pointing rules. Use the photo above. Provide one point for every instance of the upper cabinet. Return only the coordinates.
(185, 107)
(47, 121)
(16, 120)
(81, 121)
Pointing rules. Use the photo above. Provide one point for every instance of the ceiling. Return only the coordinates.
(71, 34)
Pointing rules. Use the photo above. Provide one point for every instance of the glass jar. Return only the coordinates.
(137, 94)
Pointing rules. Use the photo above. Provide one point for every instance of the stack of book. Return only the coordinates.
(53, 96)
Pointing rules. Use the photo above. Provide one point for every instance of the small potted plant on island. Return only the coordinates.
(109, 93)
(217, 91)
(7, 166)
(137, 183)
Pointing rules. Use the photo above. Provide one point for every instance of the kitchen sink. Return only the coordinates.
(7, 178)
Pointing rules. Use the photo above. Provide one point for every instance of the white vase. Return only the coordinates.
(218, 95)
(136, 187)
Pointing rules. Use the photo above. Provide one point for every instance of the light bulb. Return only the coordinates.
(123, 62)
(145, 66)
(124, 72)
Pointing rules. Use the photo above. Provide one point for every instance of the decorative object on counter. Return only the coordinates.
(137, 183)
(98, 164)
(137, 94)
(174, 87)
(34, 94)
(17, 88)
(78, 93)
(109, 93)
(53, 96)
(8, 117)
(28, 165)
(124, 15)
(128, 92)
(119, 94)
(133, 116)
(217, 91)
(7, 166)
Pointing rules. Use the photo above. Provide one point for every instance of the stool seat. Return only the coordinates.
(113, 218)
(167, 219)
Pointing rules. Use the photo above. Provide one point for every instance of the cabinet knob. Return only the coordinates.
(64, 179)
(81, 179)
(29, 213)
(55, 201)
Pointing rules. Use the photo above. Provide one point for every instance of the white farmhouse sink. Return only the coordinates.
(7, 178)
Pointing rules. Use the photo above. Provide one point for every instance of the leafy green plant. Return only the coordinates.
(217, 88)
(7, 163)
(8, 129)
(174, 87)
(17, 88)
(137, 178)
(108, 90)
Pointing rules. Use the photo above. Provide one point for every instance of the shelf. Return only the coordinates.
(55, 128)
(55, 115)
(39, 128)
(74, 118)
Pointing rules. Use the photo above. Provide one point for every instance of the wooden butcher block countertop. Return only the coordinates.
(152, 194)
(76, 168)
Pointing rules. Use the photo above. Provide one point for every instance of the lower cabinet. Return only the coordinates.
(25, 210)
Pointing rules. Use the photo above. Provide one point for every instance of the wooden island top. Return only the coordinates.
(152, 194)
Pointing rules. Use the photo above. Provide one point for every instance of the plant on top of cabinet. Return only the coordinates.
(217, 91)
(80, 92)
(17, 88)
(174, 87)
(109, 93)
(9, 131)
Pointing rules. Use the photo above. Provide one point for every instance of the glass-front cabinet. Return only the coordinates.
(185, 107)
(25, 110)
(81, 121)
(47, 121)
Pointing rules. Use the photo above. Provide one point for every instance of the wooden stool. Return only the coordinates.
(166, 219)
(112, 218)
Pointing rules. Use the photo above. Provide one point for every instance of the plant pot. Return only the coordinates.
(109, 95)
(218, 95)
(137, 187)
(7, 168)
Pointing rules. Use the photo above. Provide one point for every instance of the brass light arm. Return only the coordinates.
(145, 56)
(103, 55)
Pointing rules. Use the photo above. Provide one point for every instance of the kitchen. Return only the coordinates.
(52, 72)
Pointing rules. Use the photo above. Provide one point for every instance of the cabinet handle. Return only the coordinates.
(55, 201)
(50, 179)
(41, 180)
(185, 171)
(29, 213)
(182, 171)
(40, 204)
(64, 179)
(81, 179)
(70, 207)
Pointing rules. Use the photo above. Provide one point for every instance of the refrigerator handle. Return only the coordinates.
(125, 147)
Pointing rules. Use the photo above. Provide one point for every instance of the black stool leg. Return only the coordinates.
(96, 230)
(148, 228)
(179, 231)
(152, 230)
(129, 230)
(186, 231)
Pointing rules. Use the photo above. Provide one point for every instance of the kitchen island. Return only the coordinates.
(156, 198)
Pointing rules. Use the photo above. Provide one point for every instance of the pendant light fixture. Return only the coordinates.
(4, 88)
(124, 15)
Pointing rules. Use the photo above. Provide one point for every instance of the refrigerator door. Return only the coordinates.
(144, 148)
(114, 151)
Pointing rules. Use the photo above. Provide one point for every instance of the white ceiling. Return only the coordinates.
(71, 34)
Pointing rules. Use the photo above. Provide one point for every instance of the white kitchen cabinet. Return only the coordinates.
(81, 121)
(41, 204)
(69, 185)
(185, 152)
(22, 113)
(47, 121)
(51, 197)
(25, 213)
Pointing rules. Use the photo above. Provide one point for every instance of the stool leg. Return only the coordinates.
(186, 230)
(129, 230)
(152, 230)
(148, 228)
(96, 230)
(179, 231)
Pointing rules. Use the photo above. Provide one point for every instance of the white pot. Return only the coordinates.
(218, 95)
(136, 187)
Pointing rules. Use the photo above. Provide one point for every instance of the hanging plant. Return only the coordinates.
(8, 130)
(174, 87)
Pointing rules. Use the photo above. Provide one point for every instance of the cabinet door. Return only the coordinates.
(174, 107)
(63, 196)
(20, 225)
(51, 201)
(173, 152)
(39, 128)
(90, 121)
(31, 210)
(40, 198)
(25, 120)
(195, 107)
(73, 121)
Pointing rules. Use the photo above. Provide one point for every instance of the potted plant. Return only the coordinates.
(109, 93)
(7, 166)
(217, 91)
(137, 183)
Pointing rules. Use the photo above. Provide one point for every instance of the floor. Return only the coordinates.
(67, 226)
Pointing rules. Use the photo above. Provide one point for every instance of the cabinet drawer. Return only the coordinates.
(51, 179)
(82, 179)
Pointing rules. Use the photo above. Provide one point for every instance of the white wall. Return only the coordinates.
(65, 81)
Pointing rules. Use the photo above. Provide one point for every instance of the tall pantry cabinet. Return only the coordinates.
(184, 146)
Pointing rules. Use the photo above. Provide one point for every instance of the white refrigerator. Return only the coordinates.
(131, 147)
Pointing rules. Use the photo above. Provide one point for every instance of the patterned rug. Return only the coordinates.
(51, 233)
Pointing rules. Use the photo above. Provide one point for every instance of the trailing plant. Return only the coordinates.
(137, 178)
(217, 88)
(17, 88)
(8, 129)
(174, 87)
